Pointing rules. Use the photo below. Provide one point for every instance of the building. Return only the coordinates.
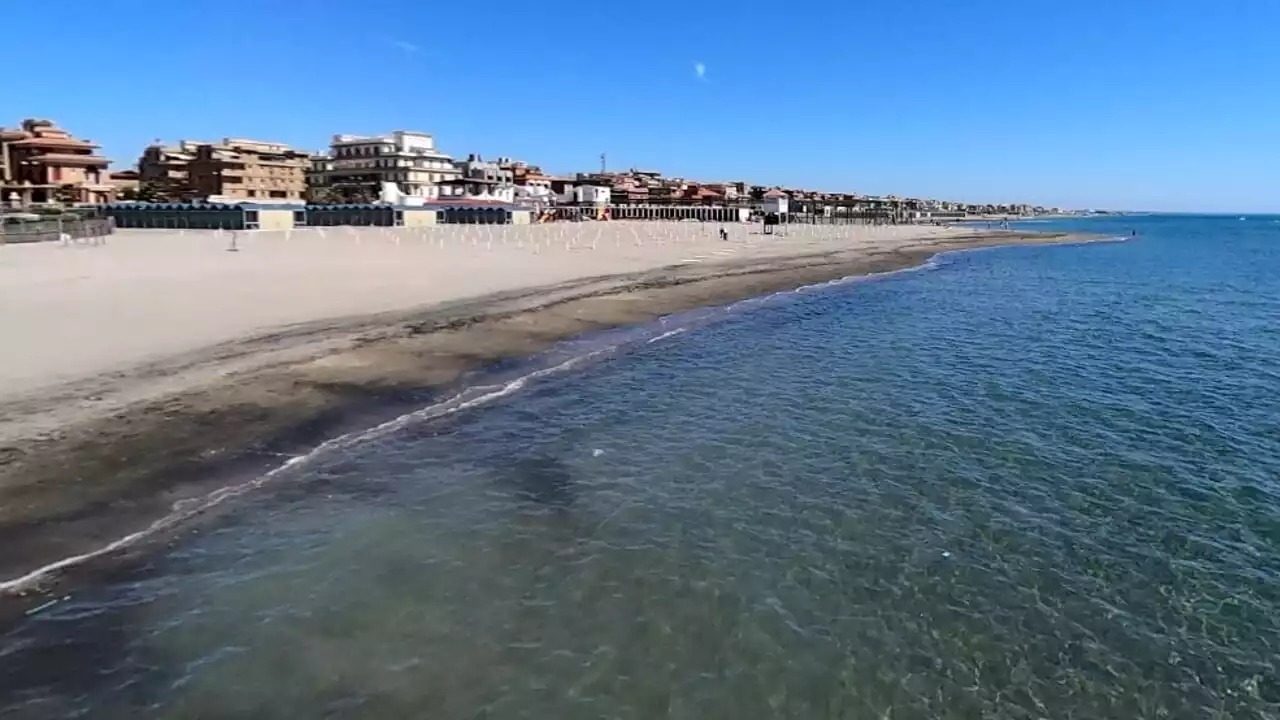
(320, 164)
(165, 170)
(482, 180)
(42, 163)
(533, 187)
(284, 216)
(240, 169)
(476, 188)
(592, 195)
(500, 171)
(535, 196)
(357, 167)
(775, 202)
(124, 182)
(630, 190)
(667, 191)
(702, 195)
(728, 192)
(525, 175)
(206, 216)
(167, 162)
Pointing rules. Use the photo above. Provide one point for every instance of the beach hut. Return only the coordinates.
(775, 202)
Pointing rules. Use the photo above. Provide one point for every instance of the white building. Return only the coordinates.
(477, 189)
(500, 170)
(775, 201)
(592, 195)
(541, 183)
(537, 195)
(480, 179)
(357, 166)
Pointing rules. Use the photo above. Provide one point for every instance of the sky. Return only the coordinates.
(1119, 104)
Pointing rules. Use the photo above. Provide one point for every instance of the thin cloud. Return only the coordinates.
(700, 71)
(406, 46)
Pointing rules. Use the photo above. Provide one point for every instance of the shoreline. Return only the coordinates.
(70, 494)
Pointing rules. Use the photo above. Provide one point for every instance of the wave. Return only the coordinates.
(600, 344)
(466, 399)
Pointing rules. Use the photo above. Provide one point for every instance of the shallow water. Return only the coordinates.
(1028, 482)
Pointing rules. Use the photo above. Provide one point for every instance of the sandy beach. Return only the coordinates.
(144, 372)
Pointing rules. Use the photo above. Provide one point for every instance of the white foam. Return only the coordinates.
(665, 335)
(186, 509)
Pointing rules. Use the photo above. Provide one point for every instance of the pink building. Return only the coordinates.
(41, 163)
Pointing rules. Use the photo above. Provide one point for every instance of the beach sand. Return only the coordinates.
(148, 371)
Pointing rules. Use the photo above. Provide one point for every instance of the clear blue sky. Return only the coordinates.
(1169, 104)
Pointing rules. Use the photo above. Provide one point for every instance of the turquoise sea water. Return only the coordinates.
(1033, 482)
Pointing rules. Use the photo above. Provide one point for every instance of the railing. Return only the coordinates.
(54, 230)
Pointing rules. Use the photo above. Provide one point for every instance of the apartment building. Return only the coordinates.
(501, 170)
(124, 181)
(357, 167)
(165, 170)
(167, 163)
(249, 169)
(40, 163)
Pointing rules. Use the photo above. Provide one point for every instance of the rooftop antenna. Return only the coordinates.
(602, 164)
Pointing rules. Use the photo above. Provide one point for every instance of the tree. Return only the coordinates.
(326, 196)
(67, 194)
(358, 196)
(128, 195)
(159, 190)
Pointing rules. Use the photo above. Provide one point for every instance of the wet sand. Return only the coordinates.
(95, 449)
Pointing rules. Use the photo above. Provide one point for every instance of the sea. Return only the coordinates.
(1022, 482)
